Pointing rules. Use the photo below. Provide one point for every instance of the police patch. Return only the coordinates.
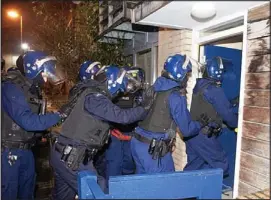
(98, 94)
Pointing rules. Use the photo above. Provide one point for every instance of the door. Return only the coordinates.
(231, 86)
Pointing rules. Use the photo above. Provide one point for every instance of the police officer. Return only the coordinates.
(118, 155)
(87, 72)
(86, 128)
(21, 119)
(154, 137)
(204, 150)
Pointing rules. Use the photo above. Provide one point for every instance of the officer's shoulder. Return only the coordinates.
(212, 87)
(213, 92)
(11, 89)
(8, 85)
(176, 94)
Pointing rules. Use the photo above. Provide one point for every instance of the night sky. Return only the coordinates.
(10, 28)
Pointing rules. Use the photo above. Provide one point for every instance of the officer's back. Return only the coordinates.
(86, 127)
(209, 100)
(154, 137)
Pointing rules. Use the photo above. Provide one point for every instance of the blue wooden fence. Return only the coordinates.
(201, 184)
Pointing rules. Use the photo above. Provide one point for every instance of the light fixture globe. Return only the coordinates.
(13, 14)
(76, 2)
(203, 11)
(25, 46)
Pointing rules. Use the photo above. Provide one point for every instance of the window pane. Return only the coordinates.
(144, 61)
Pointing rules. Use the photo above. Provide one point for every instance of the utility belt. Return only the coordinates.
(17, 144)
(73, 156)
(157, 148)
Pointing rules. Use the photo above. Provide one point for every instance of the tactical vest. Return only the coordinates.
(10, 130)
(200, 106)
(125, 102)
(82, 126)
(159, 119)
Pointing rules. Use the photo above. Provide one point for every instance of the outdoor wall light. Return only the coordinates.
(203, 11)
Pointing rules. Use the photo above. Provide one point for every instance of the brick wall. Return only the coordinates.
(170, 43)
(255, 145)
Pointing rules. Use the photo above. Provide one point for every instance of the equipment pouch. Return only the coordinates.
(76, 157)
(152, 146)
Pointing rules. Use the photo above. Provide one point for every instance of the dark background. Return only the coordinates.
(10, 28)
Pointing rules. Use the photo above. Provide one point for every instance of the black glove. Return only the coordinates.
(235, 101)
(64, 111)
(204, 120)
(62, 118)
(148, 98)
(67, 108)
(214, 131)
(209, 127)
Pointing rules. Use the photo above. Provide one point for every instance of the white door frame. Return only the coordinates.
(154, 64)
(197, 41)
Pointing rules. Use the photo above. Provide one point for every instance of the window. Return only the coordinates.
(129, 60)
(144, 60)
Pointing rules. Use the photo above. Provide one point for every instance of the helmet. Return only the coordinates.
(20, 63)
(176, 67)
(215, 68)
(136, 79)
(2, 64)
(139, 74)
(115, 79)
(38, 63)
(89, 69)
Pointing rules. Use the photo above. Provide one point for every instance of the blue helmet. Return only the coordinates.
(37, 63)
(89, 69)
(177, 66)
(116, 79)
(215, 68)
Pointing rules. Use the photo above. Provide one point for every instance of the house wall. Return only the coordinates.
(255, 148)
(171, 42)
(255, 143)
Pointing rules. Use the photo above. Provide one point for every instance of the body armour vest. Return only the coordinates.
(159, 119)
(200, 106)
(10, 130)
(81, 125)
(125, 102)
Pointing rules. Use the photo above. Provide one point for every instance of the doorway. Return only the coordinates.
(231, 50)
